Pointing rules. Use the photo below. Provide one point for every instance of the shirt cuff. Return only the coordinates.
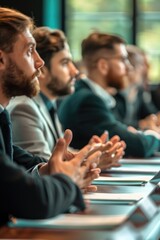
(35, 170)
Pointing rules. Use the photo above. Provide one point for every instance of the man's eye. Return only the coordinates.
(65, 62)
(30, 50)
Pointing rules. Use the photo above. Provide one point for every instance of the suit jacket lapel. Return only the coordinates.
(44, 111)
(59, 128)
(6, 133)
(2, 145)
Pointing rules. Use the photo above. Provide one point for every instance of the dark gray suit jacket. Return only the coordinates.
(25, 195)
(86, 114)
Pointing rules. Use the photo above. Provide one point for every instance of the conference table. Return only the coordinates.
(142, 217)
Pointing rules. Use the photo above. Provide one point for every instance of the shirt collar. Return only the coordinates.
(1, 108)
(100, 92)
(49, 104)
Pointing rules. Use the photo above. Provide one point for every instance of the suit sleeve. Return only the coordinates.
(146, 107)
(25, 159)
(26, 196)
(88, 115)
(29, 131)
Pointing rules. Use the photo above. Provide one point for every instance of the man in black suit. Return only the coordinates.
(91, 108)
(27, 194)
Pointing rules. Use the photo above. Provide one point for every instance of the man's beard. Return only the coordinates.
(118, 83)
(57, 89)
(16, 83)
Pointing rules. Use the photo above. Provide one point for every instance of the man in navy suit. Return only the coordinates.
(30, 195)
(91, 108)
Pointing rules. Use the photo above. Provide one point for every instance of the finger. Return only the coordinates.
(57, 155)
(120, 153)
(100, 147)
(97, 170)
(115, 160)
(113, 149)
(105, 161)
(91, 188)
(59, 150)
(115, 139)
(92, 175)
(68, 156)
(68, 136)
(89, 178)
(115, 165)
(106, 146)
(81, 155)
(95, 139)
(86, 168)
(93, 159)
(95, 147)
(104, 137)
(91, 165)
(110, 158)
(117, 155)
(123, 144)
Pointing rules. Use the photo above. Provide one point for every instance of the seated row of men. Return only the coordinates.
(109, 98)
(89, 111)
(32, 186)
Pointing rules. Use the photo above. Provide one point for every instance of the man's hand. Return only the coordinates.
(78, 168)
(112, 150)
(151, 122)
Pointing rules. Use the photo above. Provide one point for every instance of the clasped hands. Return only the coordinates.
(151, 122)
(85, 165)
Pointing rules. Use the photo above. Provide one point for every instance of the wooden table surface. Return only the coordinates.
(31, 233)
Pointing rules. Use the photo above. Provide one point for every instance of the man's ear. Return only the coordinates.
(102, 65)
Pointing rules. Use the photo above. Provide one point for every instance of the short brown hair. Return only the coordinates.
(49, 41)
(96, 43)
(12, 23)
(135, 55)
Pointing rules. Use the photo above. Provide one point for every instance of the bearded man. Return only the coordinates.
(91, 108)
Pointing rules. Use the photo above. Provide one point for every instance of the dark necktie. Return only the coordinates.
(53, 113)
(5, 125)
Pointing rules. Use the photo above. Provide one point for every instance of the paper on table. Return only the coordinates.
(134, 169)
(72, 221)
(123, 179)
(114, 196)
(151, 161)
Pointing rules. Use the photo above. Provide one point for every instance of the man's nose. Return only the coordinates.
(73, 70)
(39, 63)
